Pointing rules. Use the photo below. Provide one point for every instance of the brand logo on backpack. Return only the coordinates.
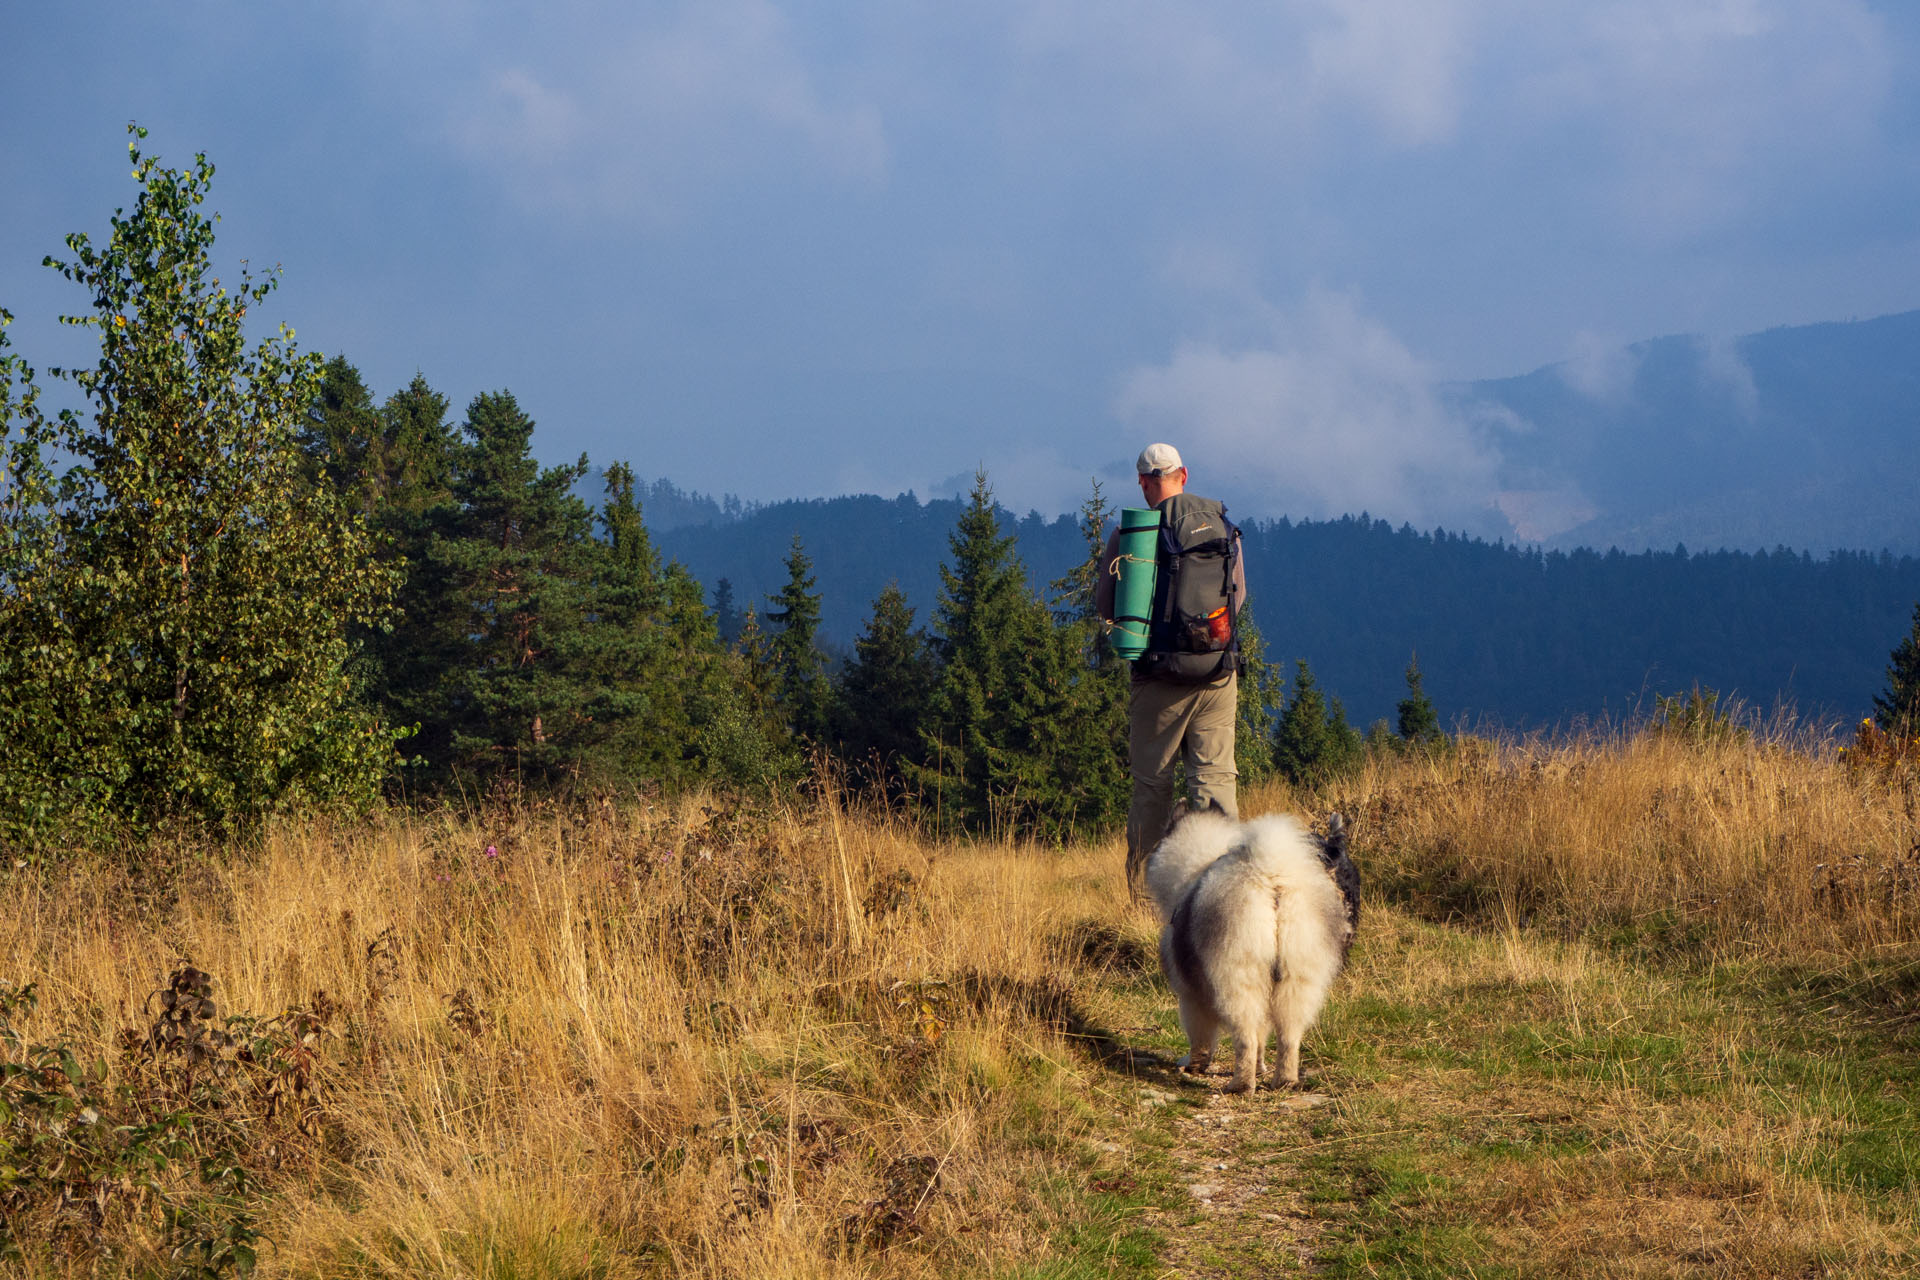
(1191, 638)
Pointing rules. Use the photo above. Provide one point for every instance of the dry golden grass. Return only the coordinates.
(1767, 846)
(635, 1041)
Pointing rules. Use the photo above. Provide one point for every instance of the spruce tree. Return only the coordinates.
(801, 689)
(1312, 742)
(884, 692)
(1078, 749)
(418, 451)
(340, 432)
(1346, 749)
(174, 642)
(1259, 692)
(395, 464)
(742, 736)
(726, 618)
(638, 676)
(504, 595)
(1897, 710)
(988, 629)
(1418, 723)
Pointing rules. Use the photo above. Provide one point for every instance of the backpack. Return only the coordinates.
(1192, 637)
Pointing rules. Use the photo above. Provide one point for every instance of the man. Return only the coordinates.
(1184, 695)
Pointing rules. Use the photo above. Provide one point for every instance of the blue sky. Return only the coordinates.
(789, 250)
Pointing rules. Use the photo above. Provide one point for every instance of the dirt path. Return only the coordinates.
(1246, 1218)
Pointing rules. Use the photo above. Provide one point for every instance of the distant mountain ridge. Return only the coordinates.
(1804, 436)
(1506, 634)
(1664, 453)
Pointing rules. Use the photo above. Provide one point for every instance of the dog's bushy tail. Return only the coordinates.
(1191, 845)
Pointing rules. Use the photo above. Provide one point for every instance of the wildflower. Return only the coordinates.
(492, 851)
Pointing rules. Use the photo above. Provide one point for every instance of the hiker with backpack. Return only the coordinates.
(1185, 687)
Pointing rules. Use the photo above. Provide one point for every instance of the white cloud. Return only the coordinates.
(1259, 69)
(1599, 367)
(1722, 364)
(1402, 59)
(1539, 514)
(1698, 110)
(1334, 415)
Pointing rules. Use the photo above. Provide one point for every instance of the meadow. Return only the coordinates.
(1620, 1005)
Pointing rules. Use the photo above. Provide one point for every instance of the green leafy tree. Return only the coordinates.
(1312, 743)
(801, 688)
(174, 642)
(1418, 723)
(884, 691)
(1897, 710)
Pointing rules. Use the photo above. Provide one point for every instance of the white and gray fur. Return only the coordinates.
(1258, 918)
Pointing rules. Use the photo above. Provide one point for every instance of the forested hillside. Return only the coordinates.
(1512, 635)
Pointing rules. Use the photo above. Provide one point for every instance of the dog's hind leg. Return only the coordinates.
(1247, 1020)
(1295, 1005)
(1203, 1033)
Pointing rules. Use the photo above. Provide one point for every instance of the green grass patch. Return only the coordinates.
(1522, 1106)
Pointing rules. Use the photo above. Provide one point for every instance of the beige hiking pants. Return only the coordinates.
(1177, 722)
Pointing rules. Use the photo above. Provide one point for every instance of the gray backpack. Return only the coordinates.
(1191, 638)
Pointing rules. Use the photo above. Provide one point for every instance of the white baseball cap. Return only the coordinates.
(1159, 460)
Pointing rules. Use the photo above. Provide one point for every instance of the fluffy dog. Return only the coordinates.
(1259, 917)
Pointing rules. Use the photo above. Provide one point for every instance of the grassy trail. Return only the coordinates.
(1482, 1103)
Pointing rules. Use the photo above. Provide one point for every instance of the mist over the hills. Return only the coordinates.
(1802, 437)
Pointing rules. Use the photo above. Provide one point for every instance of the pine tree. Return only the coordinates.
(801, 689)
(504, 597)
(638, 677)
(884, 693)
(1259, 692)
(1897, 710)
(174, 642)
(1419, 723)
(340, 433)
(726, 618)
(988, 629)
(1312, 742)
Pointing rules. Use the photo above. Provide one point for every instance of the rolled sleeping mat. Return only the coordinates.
(1133, 593)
